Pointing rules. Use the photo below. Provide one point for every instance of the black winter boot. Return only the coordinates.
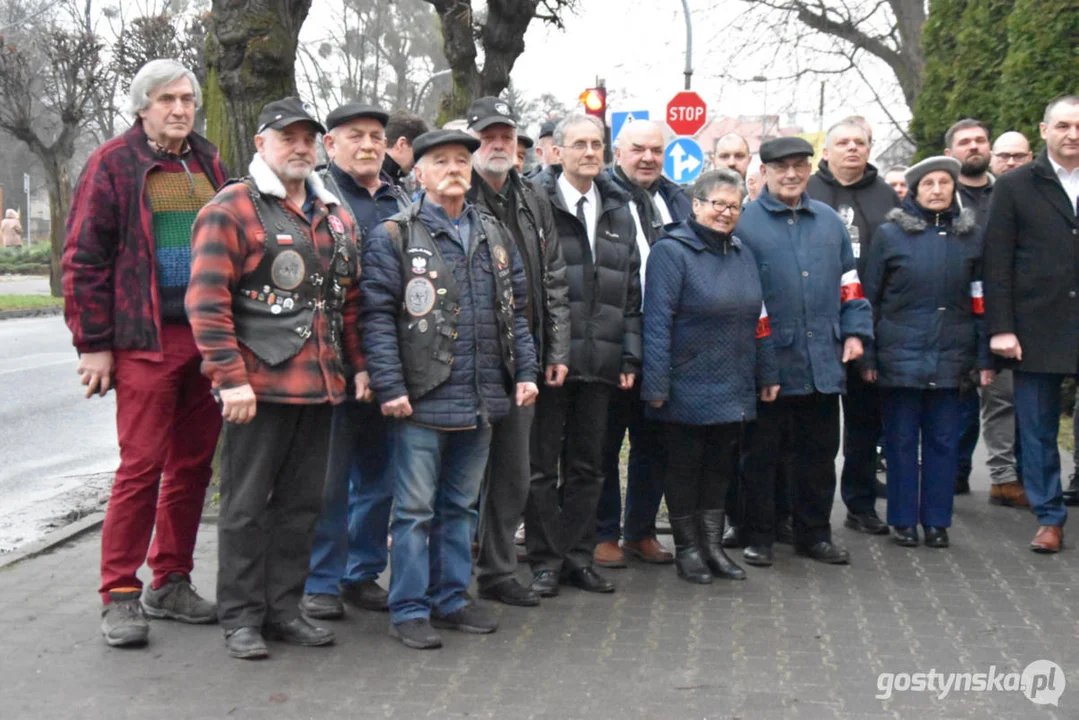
(712, 546)
(687, 553)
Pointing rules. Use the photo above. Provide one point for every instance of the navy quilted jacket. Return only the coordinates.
(477, 391)
(923, 279)
(706, 342)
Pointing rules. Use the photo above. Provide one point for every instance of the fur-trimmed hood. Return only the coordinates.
(268, 183)
(914, 221)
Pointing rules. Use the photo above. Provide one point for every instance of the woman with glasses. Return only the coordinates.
(923, 279)
(707, 358)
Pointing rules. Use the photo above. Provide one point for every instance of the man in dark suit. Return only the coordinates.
(1032, 302)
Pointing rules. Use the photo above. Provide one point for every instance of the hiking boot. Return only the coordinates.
(177, 600)
(122, 621)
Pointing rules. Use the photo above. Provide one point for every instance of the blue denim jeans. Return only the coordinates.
(350, 538)
(1037, 412)
(644, 481)
(437, 476)
(929, 417)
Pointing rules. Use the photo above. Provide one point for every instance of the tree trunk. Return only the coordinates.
(58, 183)
(459, 47)
(251, 59)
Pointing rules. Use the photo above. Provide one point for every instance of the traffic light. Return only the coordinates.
(595, 102)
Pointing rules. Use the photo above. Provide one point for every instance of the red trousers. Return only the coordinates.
(167, 422)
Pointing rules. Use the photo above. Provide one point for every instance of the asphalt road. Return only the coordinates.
(57, 449)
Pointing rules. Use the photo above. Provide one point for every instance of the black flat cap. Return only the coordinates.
(547, 128)
(437, 138)
(282, 113)
(487, 111)
(351, 111)
(526, 141)
(785, 147)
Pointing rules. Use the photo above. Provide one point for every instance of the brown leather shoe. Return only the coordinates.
(1049, 539)
(1009, 494)
(649, 550)
(609, 555)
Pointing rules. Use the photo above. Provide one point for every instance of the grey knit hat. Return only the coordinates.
(915, 173)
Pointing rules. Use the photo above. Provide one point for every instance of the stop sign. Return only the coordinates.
(686, 113)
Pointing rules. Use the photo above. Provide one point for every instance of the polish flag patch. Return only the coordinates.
(977, 298)
(850, 286)
(764, 327)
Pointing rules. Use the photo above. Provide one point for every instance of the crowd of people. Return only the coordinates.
(400, 374)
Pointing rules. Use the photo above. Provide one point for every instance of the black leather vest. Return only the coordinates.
(427, 325)
(274, 307)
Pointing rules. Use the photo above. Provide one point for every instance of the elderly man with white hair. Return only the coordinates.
(126, 266)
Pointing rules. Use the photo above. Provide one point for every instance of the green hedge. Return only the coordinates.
(23, 261)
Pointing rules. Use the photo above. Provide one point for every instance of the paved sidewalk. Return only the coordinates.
(800, 640)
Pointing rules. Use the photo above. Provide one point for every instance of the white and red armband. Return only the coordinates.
(977, 297)
(850, 287)
(764, 327)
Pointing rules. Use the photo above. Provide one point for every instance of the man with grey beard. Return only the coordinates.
(497, 188)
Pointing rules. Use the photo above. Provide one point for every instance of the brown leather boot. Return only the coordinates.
(1009, 494)
(649, 550)
(609, 555)
(1050, 539)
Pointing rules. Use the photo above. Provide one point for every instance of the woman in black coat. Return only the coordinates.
(707, 358)
(923, 278)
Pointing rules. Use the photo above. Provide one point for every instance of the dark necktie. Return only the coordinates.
(586, 249)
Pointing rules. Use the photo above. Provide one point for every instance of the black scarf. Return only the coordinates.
(651, 223)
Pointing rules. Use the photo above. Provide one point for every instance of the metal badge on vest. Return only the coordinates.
(427, 326)
(274, 309)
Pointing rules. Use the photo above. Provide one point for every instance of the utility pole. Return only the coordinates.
(689, 43)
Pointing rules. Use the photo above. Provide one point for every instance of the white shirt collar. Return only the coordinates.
(1060, 171)
(572, 195)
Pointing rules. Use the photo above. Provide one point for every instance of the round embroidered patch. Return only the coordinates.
(336, 224)
(419, 296)
(288, 270)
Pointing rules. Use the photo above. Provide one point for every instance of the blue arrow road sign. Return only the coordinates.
(683, 160)
(619, 120)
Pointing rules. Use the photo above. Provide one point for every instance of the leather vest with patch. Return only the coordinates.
(274, 307)
(427, 325)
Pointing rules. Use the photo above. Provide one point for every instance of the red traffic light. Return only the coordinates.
(594, 101)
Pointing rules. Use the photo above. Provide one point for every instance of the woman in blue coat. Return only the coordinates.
(707, 357)
(923, 278)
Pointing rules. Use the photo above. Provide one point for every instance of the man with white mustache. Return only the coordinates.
(449, 352)
(349, 551)
(497, 188)
(274, 308)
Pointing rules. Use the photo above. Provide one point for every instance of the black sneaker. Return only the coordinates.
(417, 634)
(322, 607)
(367, 595)
(177, 600)
(122, 621)
(867, 523)
(470, 619)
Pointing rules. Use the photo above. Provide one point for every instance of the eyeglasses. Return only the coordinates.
(721, 207)
(1012, 157)
(581, 146)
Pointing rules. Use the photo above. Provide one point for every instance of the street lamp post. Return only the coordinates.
(689, 43)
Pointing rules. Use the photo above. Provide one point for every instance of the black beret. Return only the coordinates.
(547, 128)
(437, 138)
(785, 147)
(351, 111)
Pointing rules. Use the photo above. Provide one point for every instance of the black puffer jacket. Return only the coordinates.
(604, 292)
(862, 206)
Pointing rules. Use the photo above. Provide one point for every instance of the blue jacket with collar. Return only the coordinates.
(811, 288)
